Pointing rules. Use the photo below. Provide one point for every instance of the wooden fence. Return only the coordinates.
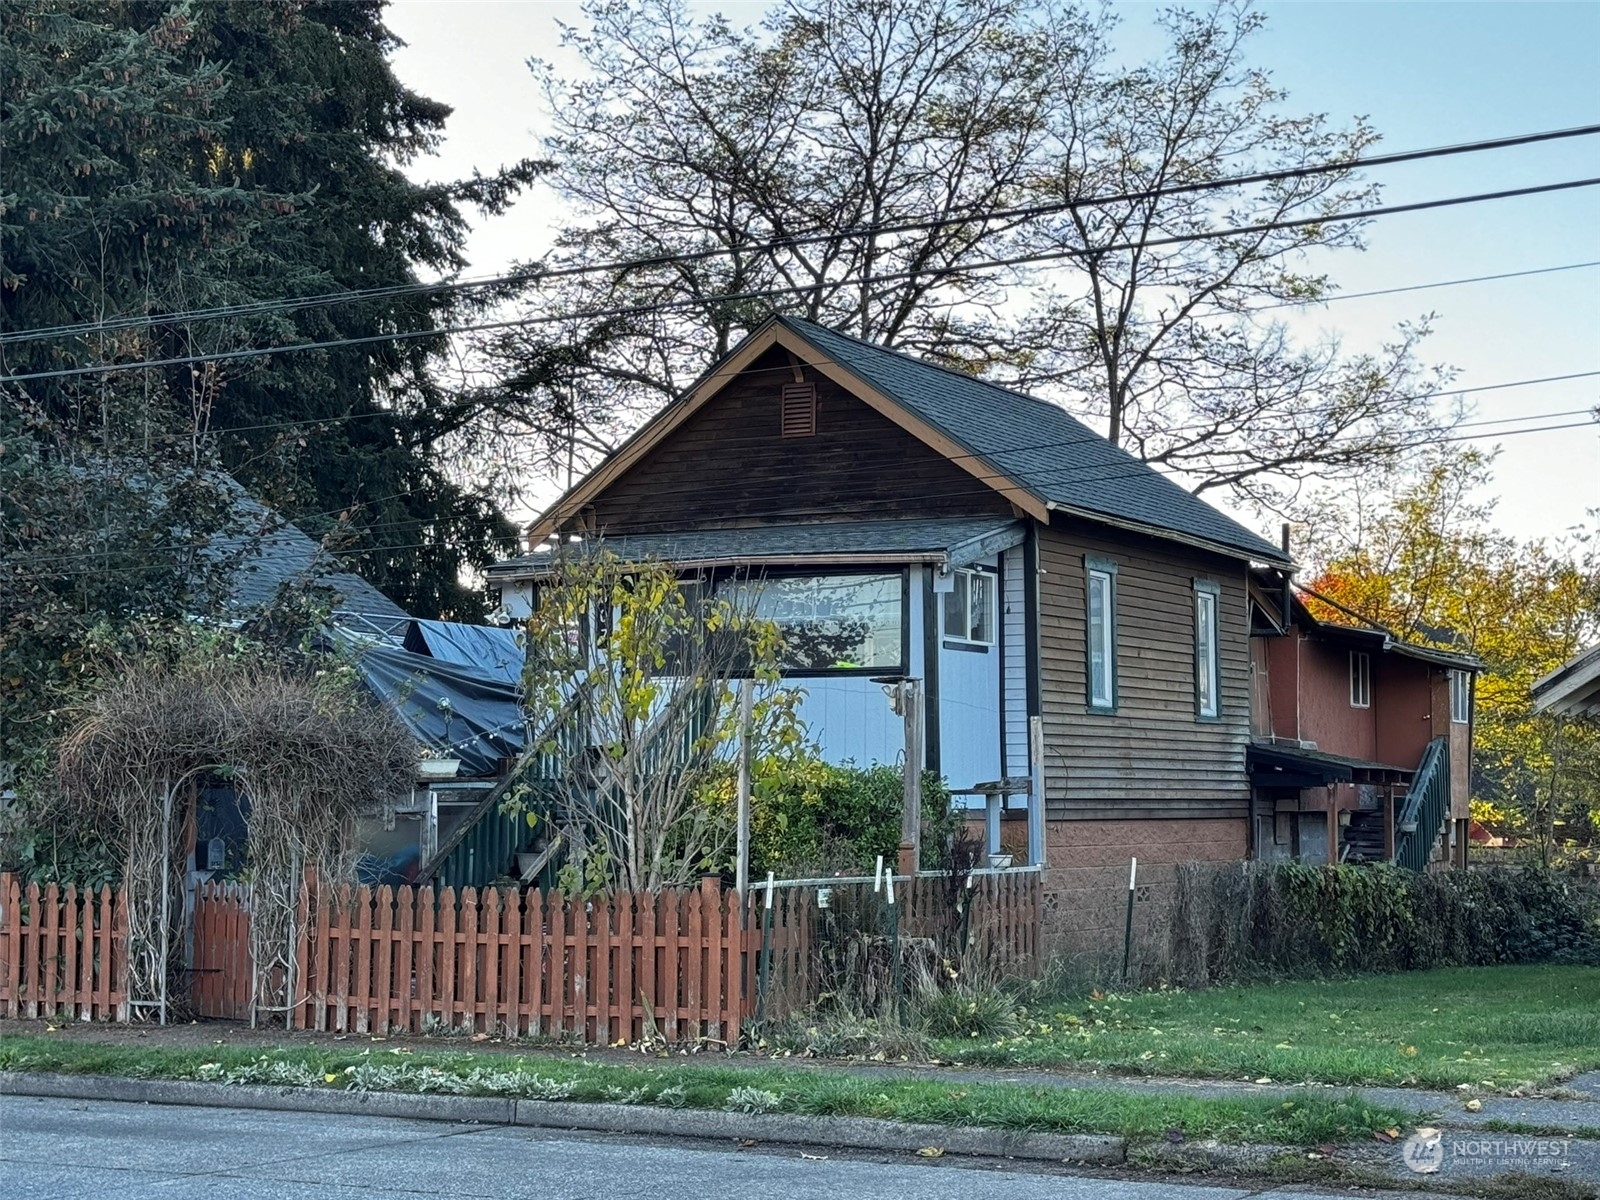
(598, 971)
(680, 965)
(63, 952)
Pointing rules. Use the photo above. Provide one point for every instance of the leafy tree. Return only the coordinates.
(1427, 563)
(651, 665)
(697, 144)
(164, 157)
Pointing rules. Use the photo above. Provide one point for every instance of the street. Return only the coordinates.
(78, 1150)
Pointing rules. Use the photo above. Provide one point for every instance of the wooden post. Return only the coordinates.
(1036, 827)
(911, 812)
(746, 721)
(1388, 822)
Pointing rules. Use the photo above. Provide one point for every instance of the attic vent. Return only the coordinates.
(799, 410)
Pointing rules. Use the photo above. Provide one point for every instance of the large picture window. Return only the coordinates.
(834, 622)
(1102, 622)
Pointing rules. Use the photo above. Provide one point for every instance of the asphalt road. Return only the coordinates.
(77, 1149)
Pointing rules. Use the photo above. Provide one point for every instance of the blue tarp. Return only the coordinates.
(470, 712)
(488, 650)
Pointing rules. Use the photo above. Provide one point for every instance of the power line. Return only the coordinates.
(1022, 212)
(1419, 287)
(1131, 469)
(769, 293)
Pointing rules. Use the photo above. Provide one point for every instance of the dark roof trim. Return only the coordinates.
(1270, 762)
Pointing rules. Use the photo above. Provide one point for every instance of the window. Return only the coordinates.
(969, 608)
(1102, 634)
(1207, 655)
(1460, 697)
(1360, 680)
(833, 622)
(799, 410)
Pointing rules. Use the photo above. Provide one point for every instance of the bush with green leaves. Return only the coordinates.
(812, 817)
(1237, 921)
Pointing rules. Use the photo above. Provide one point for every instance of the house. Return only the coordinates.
(1361, 742)
(1572, 690)
(1079, 624)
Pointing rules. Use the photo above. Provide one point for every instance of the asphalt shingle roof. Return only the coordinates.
(1038, 444)
(932, 538)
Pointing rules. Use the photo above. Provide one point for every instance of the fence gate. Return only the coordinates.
(220, 978)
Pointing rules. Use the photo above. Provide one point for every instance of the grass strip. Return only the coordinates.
(1303, 1120)
(1496, 1028)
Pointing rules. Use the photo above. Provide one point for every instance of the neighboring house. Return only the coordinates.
(1572, 690)
(1079, 623)
(1362, 742)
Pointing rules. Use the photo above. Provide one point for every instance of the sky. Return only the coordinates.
(1424, 74)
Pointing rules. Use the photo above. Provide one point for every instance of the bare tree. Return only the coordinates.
(739, 167)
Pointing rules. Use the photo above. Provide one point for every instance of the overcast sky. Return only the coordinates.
(1425, 74)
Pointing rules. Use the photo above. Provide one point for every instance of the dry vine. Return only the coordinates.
(308, 753)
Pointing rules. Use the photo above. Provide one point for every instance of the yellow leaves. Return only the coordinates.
(1473, 1105)
(931, 1152)
(330, 1077)
(1409, 1051)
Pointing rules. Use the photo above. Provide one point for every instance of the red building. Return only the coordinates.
(1361, 743)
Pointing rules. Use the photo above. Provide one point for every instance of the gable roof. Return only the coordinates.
(1573, 688)
(1035, 453)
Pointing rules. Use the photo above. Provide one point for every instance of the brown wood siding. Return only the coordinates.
(730, 464)
(1152, 757)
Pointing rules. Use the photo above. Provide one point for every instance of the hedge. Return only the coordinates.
(1250, 920)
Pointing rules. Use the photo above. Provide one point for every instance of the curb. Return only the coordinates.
(850, 1133)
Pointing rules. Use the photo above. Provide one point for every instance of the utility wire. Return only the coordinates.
(769, 293)
(1023, 212)
(1132, 469)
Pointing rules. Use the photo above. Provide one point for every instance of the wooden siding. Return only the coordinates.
(729, 464)
(1152, 757)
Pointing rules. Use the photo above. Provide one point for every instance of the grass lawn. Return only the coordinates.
(1499, 1027)
(1306, 1120)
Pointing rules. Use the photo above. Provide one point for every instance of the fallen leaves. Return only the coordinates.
(931, 1152)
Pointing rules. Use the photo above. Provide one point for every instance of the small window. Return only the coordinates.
(969, 608)
(799, 410)
(1360, 680)
(1207, 658)
(1102, 634)
(1460, 697)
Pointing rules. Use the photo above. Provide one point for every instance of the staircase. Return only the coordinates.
(1419, 817)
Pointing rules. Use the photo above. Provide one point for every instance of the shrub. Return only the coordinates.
(1240, 921)
(808, 816)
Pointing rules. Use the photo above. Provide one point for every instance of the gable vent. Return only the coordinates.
(799, 410)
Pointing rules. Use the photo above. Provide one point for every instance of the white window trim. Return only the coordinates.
(1210, 664)
(1106, 701)
(1463, 681)
(1364, 676)
(994, 616)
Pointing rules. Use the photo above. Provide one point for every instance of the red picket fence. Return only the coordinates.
(408, 960)
(63, 952)
(680, 965)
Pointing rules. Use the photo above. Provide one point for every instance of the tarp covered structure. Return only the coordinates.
(489, 651)
(471, 712)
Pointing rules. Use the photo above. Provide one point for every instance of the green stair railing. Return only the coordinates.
(483, 846)
(1427, 804)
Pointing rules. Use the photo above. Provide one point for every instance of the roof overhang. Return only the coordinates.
(946, 543)
(1572, 689)
(1276, 764)
(1169, 535)
(774, 333)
